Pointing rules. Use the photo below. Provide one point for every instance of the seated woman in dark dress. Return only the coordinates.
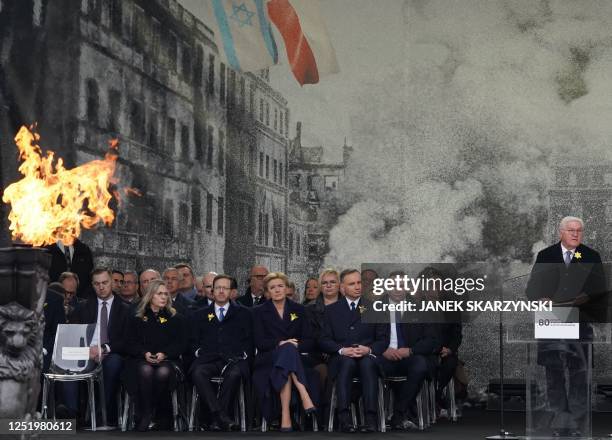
(281, 331)
(155, 339)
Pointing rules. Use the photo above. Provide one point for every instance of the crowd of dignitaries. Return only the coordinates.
(154, 325)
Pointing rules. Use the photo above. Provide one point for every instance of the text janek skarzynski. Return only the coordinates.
(458, 286)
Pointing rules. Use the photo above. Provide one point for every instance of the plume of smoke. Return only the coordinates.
(455, 150)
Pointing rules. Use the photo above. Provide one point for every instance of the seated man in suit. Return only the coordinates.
(222, 343)
(255, 293)
(571, 274)
(410, 347)
(353, 346)
(110, 315)
(182, 304)
(53, 310)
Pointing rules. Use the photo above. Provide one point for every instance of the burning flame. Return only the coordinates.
(51, 203)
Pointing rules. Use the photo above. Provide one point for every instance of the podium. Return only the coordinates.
(558, 376)
(558, 349)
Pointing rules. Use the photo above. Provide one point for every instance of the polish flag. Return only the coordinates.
(307, 42)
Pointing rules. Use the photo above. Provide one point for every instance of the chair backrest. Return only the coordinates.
(71, 349)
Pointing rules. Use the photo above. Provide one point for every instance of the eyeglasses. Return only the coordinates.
(574, 231)
(129, 282)
(222, 288)
(325, 283)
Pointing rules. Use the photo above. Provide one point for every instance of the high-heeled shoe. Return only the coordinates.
(310, 411)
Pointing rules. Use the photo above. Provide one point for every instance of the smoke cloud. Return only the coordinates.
(455, 151)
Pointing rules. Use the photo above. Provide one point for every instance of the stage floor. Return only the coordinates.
(475, 424)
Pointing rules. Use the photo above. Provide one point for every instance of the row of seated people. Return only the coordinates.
(276, 345)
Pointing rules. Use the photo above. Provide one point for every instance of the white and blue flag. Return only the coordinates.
(242, 33)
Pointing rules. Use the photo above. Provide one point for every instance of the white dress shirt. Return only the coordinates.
(218, 310)
(393, 328)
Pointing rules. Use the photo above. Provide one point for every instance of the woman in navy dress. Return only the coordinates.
(155, 341)
(281, 331)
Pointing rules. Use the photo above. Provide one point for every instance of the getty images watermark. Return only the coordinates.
(441, 292)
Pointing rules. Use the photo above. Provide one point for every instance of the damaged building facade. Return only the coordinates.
(207, 147)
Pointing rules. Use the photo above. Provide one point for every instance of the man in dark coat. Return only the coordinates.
(353, 347)
(255, 293)
(570, 274)
(54, 315)
(222, 346)
(411, 347)
(76, 258)
(110, 315)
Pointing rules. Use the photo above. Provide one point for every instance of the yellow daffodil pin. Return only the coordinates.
(362, 309)
(294, 316)
(211, 316)
(145, 318)
(577, 255)
(162, 320)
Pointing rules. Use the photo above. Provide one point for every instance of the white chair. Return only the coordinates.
(70, 362)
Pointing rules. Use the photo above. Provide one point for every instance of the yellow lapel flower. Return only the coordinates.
(211, 316)
(294, 316)
(45, 305)
(145, 318)
(162, 320)
(577, 255)
(362, 309)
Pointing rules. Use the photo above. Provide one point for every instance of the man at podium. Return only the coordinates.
(569, 274)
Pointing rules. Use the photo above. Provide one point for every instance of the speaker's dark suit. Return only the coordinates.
(81, 263)
(112, 363)
(342, 328)
(552, 278)
(220, 344)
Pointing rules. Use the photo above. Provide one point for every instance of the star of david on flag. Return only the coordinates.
(242, 33)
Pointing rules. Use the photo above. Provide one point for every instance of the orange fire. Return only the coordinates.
(51, 203)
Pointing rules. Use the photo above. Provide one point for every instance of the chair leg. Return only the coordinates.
(432, 402)
(315, 423)
(242, 407)
(332, 409)
(175, 410)
(126, 412)
(45, 395)
(52, 396)
(102, 399)
(450, 391)
(264, 425)
(193, 408)
(354, 415)
(419, 402)
(92, 403)
(382, 420)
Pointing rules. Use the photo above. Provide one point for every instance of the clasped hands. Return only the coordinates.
(154, 358)
(396, 354)
(356, 351)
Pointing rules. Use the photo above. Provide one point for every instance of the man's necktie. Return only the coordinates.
(221, 314)
(67, 255)
(568, 258)
(353, 307)
(398, 331)
(104, 324)
(256, 300)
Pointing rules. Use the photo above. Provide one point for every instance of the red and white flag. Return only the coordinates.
(307, 42)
